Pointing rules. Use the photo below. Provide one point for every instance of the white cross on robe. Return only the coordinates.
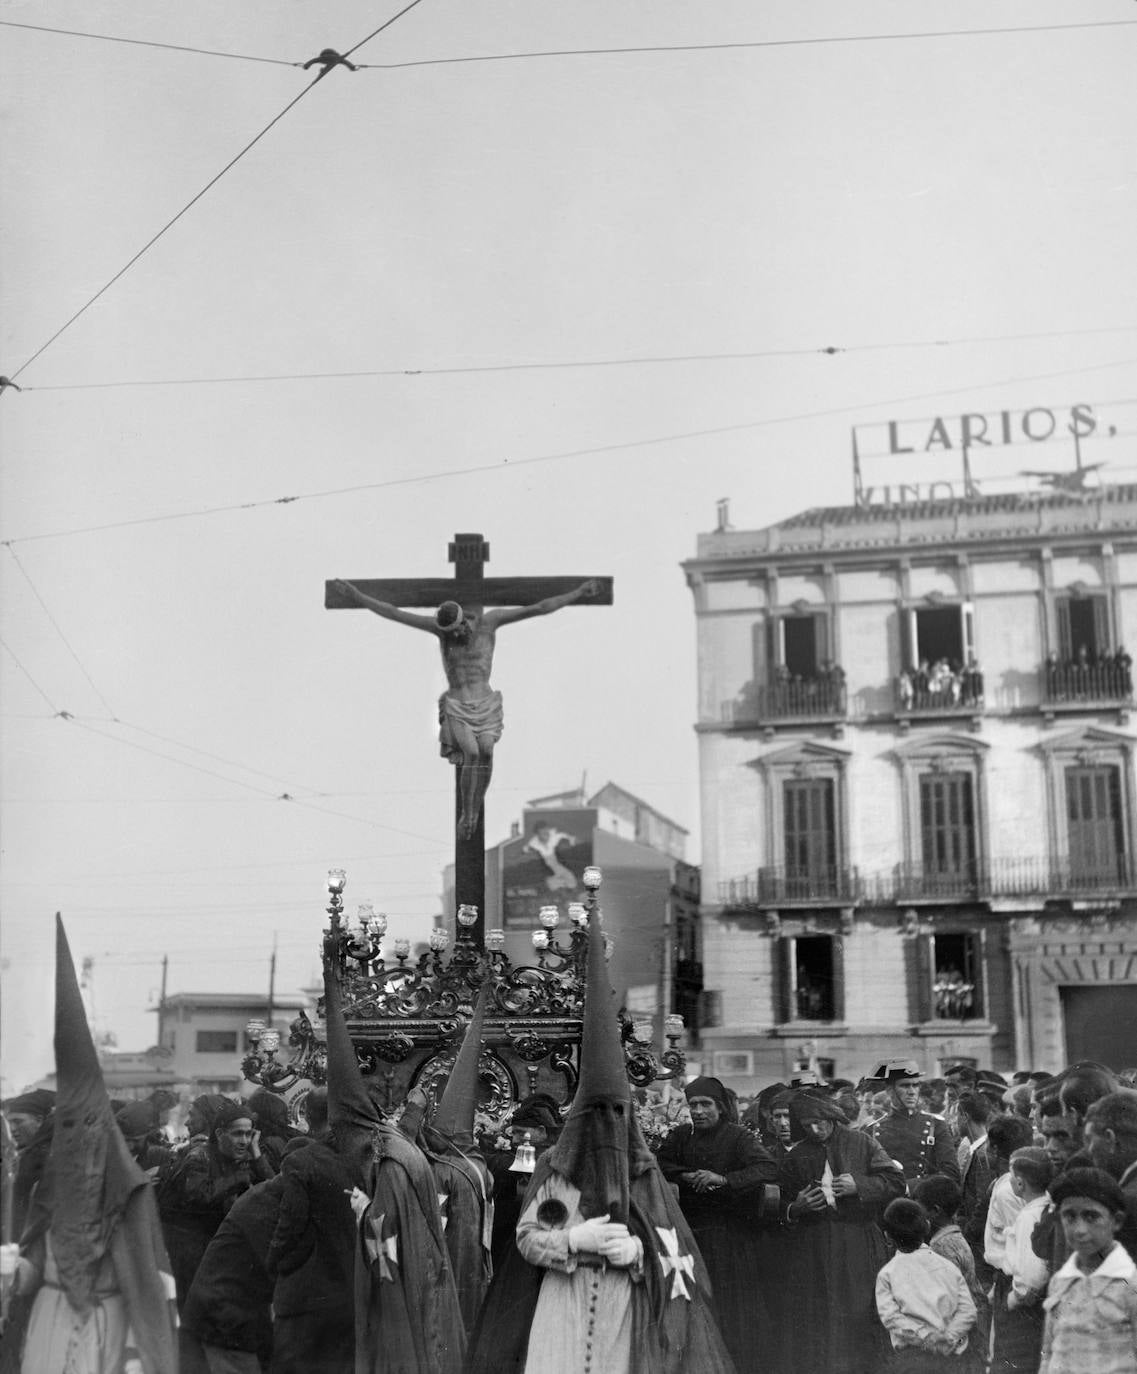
(680, 1267)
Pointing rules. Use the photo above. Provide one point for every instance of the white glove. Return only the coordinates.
(588, 1236)
(623, 1251)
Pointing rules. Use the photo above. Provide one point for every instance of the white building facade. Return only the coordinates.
(917, 774)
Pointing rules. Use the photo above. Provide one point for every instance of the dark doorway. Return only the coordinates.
(1099, 1024)
(939, 634)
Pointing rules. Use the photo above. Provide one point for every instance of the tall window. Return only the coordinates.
(813, 978)
(940, 634)
(217, 1042)
(810, 836)
(1083, 627)
(947, 827)
(957, 992)
(1094, 826)
(799, 645)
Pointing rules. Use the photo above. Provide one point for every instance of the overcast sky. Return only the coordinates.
(569, 300)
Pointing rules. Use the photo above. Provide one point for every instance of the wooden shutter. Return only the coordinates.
(947, 823)
(1065, 633)
(967, 617)
(1093, 815)
(785, 976)
(811, 839)
(923, 954)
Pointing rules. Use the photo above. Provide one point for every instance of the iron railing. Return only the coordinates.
(1111, 681)
(1065, 878)
(826, 883)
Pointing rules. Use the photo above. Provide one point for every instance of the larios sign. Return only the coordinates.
(985, 429)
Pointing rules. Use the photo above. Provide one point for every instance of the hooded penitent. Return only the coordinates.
(98, 1200)
(602, 1153)
(406, 1303)
(464, 1184)
(454, 1117)
(601, 1142)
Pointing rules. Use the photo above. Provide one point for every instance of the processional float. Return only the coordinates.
(407, 1019)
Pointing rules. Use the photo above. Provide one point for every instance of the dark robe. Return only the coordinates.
(312, 1256)
(229, 1301)
(408, 1320)
(465, 1193)
(674, 1326)
(740, 1258)
(833, 1257)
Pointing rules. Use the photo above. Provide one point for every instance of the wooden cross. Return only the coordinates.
(470, 588)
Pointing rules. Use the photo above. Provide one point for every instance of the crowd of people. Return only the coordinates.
(902, 1224)
(942, 683)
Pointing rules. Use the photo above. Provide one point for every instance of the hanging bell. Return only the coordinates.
(525, 1161)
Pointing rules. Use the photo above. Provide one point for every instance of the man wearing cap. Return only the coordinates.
(1111, 1141)
(29, 1119)
(919, 1142)
(724, 1174)
(206, 1181)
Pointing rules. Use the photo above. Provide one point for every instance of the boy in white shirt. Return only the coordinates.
(1016, 1309)
(1091, 1309)
(922, 1299)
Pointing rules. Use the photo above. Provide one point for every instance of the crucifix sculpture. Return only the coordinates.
(469, 711)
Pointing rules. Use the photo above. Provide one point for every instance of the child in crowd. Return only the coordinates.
(922, 1298)
(940, 1198)
(1017, 1306)
(1091, 1310)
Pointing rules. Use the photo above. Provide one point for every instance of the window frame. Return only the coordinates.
(806, 760)
(942, 754)
(787, 990)
(1090, 746)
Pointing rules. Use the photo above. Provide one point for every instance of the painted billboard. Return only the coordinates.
(544, 864)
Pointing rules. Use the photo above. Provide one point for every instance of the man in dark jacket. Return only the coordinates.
(1111, 1141)
(202, 1186)
(228, 1309)
(919, 1142)
(312, 1254)
(30, 1121)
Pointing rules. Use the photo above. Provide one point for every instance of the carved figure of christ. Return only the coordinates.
(469, 711)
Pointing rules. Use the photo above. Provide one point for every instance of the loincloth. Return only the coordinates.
(482, 717)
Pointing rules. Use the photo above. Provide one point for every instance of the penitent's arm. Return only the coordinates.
(387, 611)
(584, 592)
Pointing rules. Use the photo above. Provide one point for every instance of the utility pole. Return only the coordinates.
(271, 982)
(162, 994)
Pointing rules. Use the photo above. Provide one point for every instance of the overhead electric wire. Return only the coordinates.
(147, 43)
(736, 45)
(385, 25)
(167, 226)
(580, 364)
(35, 684)
(744, 44)
(590, 452)
(58, 630)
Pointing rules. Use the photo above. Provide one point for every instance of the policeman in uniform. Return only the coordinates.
(919, 1142)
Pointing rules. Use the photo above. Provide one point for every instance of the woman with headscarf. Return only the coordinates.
(605, 1277)
(724, 1176)
(835, 1184)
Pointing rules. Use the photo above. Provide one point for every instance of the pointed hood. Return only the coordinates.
(352, 1115)
(454, 1117)
(601, 1145)
(91, 1169)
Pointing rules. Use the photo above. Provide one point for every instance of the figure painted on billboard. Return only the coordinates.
(544, 842)
(469, 711)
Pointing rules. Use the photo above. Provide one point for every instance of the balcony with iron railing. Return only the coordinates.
(1079, 684)
(793, 699)
(940, 690)
(1063, 879)
(823, 885)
